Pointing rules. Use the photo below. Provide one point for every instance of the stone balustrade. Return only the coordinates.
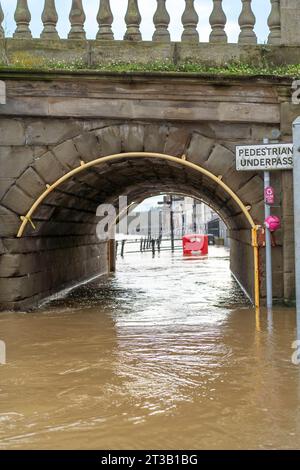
(161, 20)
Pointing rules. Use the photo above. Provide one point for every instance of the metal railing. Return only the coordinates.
(147, 245)
(133, 18)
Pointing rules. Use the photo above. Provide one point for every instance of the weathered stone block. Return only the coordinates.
(290, 17)
(241, 265)
(97, 124)
(177, 141)
(50, 132)
(241, 235)
(19, 265)
(249, 112)
(230, 131)
(9, 223)
(2, 248)
(132, 137)
(19, 288)
(199, 149)
(29, 245)
(142, 51)
(14, 160)
(109, 139)
(288, 235)
(287, 193)
(11, 132)
(220, 161)
(236, 179)
(87, 146)
(155, 138)
(36, 51)
(60, 269)
(44, 212)
(252, 192)
(289, 112)
(9, 290)
(5, 184)
(67, 154)
(38, 151)
(289, 286)
(259, 132)
(49, 168)
(31, 183)
(16, 200)
(85, 181)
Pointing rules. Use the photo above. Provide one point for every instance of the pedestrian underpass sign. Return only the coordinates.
(266, 157)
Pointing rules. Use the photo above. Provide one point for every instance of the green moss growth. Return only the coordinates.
(229, 69)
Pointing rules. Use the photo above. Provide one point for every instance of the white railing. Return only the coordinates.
(133, 18)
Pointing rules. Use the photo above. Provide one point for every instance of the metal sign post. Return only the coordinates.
(267, 157)
(296, 138)
(269, 283)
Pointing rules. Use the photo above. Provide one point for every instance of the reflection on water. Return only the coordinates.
(167, 354)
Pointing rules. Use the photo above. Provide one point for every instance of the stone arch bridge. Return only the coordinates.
(52, 122)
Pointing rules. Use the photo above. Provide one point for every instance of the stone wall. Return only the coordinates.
(34, 268)
(51, 124)
(282, 23)
(290, 18)
(34, 53)
(242, 261)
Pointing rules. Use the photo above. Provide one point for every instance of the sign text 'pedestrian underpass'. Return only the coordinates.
(264, 157)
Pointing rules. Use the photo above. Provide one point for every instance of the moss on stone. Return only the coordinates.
(231, 69)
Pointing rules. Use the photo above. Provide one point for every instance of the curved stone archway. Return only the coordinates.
(202, 175)
(45, 168)
(65, 222)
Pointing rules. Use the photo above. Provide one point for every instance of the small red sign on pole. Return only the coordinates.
(269, 195)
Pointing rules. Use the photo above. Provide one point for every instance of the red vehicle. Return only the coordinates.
(195, 245)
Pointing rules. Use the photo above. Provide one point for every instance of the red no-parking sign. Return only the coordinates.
(269, 195)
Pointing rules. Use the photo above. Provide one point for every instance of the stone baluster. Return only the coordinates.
(49, 19)
(133, 21)
(190, 20)
(247, 22)
(161, 21)
(1, 21)
(217, 21)
(105, 19)
(22, 18)
(77, 19)
(274, 23)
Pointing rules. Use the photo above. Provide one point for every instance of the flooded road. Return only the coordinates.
(167, 354)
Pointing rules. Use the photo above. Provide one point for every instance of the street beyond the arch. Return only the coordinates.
(165, 345)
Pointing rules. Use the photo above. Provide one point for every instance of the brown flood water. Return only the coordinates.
(167, 354)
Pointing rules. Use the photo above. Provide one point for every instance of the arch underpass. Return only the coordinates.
(57, 195)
